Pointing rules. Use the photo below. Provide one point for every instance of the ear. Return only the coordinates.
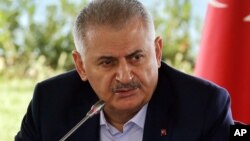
(79, 65)
(158, 50)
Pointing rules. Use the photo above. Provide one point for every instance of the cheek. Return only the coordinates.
(152, 74)
(100, 83)
(148, 75)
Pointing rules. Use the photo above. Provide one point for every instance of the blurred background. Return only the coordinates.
(36, 43)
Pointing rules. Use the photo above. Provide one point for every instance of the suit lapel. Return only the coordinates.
(88, 131)
(157, 125)
(83, 100)
(159, 117)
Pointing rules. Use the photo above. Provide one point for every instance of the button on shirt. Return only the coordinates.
(132, 130)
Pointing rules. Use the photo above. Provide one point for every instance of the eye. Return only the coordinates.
(106, 62)
(137, 57)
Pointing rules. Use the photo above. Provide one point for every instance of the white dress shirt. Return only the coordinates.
(132, 130)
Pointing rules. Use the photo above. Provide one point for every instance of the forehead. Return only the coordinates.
(106, 39)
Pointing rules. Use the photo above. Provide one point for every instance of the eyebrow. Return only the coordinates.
(105, 58)
(127, 56)
(133, 53)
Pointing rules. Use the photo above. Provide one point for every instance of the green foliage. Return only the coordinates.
(15, 97)
(173, 22)
(34, 33)
(36, 37)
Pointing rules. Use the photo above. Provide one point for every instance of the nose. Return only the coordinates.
(123, 73)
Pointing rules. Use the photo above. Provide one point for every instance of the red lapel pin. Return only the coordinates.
(163, 132)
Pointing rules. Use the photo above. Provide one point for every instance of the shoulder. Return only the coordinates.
(192, 96)
(64, 78)
(58, 101)
(67, 82)
(196, 106)
(188, 84)
(63, 89)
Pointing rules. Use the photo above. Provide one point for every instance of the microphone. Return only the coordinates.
(95, 109)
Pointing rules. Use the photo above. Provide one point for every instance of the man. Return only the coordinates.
(118, 60)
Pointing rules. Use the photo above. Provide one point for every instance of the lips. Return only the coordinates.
(126, 92)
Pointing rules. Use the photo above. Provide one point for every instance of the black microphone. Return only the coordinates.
(95, 109)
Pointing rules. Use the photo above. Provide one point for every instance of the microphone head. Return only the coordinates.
(96, 108)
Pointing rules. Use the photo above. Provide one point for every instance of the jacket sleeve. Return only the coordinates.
(218, 117)
(30, 124)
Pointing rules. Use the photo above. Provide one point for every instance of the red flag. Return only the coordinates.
(224, 56)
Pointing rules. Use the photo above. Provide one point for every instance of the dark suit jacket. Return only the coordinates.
(184, 107)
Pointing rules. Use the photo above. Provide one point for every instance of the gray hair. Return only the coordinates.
(114, 13)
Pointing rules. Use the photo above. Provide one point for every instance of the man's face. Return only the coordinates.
(121, 65)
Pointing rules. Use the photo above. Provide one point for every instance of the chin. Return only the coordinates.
(128, 106)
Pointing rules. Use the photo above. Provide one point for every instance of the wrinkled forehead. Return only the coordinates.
(127, 32)
(118, 42)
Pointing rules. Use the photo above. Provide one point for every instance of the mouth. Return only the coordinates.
(126, 92)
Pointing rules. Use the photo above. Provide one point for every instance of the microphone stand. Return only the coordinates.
(95, 109)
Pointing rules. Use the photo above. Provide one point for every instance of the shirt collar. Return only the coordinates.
(138, 119)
